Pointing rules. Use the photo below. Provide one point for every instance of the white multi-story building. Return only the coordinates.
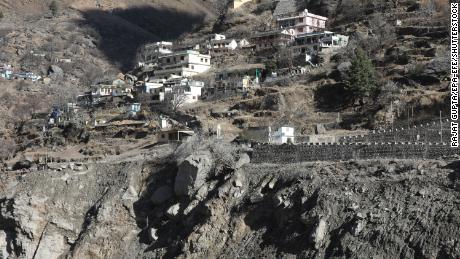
(303, 22)
(174, 88)
(184, 63)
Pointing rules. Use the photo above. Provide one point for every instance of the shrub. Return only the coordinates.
(7, 148)
(416, 69)
(362, 75)
(54, 8)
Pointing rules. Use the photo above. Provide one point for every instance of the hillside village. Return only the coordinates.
(227, 129)
(176, 89)
(170, 75)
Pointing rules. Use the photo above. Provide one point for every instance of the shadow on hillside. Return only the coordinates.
(122, 31)
(333, 97)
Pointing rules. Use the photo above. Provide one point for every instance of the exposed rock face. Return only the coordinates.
(79, 214)
(161, 195)
(309, 210)
(192, 173)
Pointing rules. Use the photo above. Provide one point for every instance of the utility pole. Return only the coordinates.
(440, 124)
(408, 119)
(270, 134)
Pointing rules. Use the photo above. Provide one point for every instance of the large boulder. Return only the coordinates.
(55, 71)
(192, 173)
(439, 66)
(161, 195)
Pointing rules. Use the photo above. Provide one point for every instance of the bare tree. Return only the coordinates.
(7, 99)
(383, 32)
(222, 8)
(388, 92)
(176, 98)
(22, 112)
(286, 58)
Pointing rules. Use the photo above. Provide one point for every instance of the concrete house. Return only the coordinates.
(185, 63)
(149, 53)
(118, 87)
(238, 3)
(235, 79)
(27, 76)
(272, 39)
(190, 90)
(175, 135)
(6, 72)
(133, 108)
(217, 37)
(224, 44)
(284, 135)
(243, 43)
(303, 22)
(151, 86)
(320, 41)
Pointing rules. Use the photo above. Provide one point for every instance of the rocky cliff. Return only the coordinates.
(210, 201)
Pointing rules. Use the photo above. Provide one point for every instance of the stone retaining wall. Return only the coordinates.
(428, 132)
(283, 154)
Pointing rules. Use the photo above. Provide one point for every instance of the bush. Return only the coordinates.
(416, 69)
(54, 8)
(7, 148)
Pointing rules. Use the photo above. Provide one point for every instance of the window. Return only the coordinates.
(300, 29)
(182, 58)
(201, 59)
(168, 60)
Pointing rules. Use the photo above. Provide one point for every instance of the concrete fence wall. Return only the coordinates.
(266, 153)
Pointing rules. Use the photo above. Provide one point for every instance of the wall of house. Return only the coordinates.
(199, 60)
(153, 87)
(193, 95)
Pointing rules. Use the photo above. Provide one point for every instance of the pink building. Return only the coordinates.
(303, 22)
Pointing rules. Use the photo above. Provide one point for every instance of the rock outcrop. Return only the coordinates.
(156, 209)
(192, 173)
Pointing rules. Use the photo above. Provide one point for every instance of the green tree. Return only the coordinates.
(362, 75)
(54, 8)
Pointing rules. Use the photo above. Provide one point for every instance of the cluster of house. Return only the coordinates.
(7, 72)
(118, 90)
(183, 73)
(167, 66)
